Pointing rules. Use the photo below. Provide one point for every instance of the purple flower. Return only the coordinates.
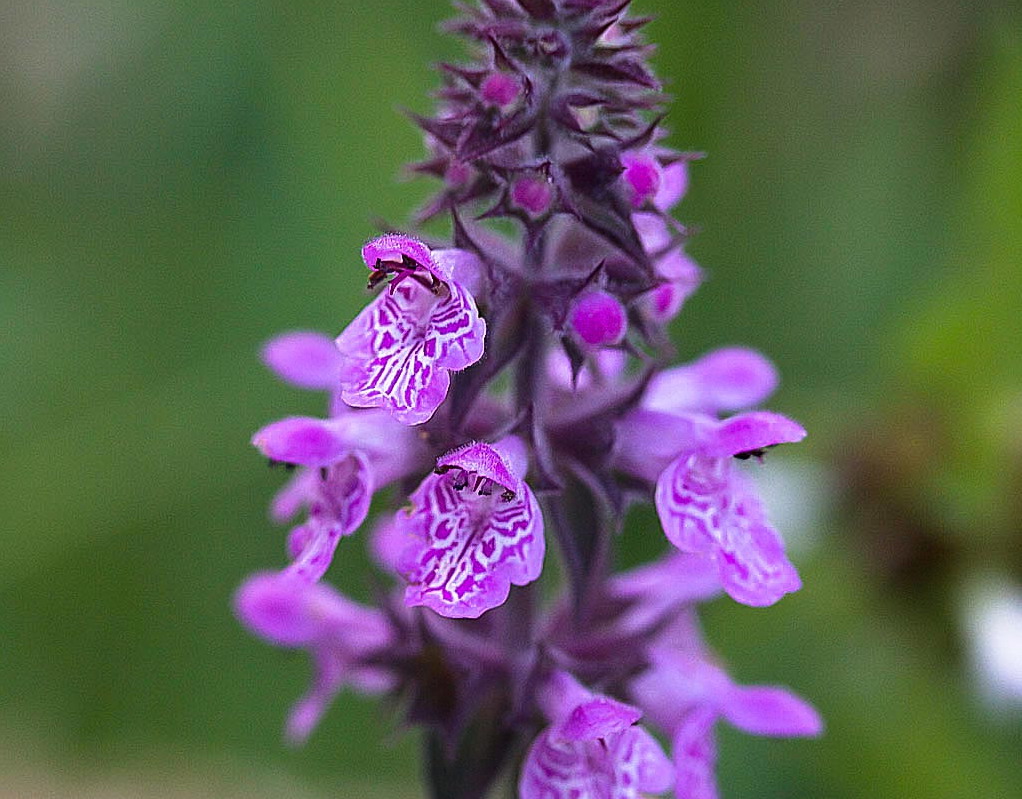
(474, 528)
(398, 352)
(591, 749)
(707, 506)
(347, 458)
(390, 450)
(342, 638)
(685, 694)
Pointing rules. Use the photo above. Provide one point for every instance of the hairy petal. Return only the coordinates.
(397, 352)
(706, 507)
(468, 549)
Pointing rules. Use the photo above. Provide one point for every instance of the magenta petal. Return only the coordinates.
(695, 755)
(305, 359)
(691, 500)
(706, 507)
(753, 567)
(673, 186)
(393, 247)
(463, 266)
(275, 608)
(723, 380)
(397, 352)
(624, 763)
(303, 440)
(482, 460)
(748, 432)
(655, 772)
(340, 505)
(470, 541)
(735, 377)
(777, 712)
(597, 718)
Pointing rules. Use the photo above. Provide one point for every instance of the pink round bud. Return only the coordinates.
(532, 194)
(500, 89)
(457, 174)
(641, 177)
(598, 319)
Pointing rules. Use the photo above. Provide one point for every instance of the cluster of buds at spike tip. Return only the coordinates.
(511, 389)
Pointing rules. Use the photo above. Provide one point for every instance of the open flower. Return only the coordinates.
(591, 749)
(398, 352)
(342, 638)
(707, 506)
(685, 694)
(474, 528)
(344, 460)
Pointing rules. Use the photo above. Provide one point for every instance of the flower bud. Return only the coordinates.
(598, 319)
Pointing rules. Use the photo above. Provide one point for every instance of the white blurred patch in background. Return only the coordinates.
(992, 625)
(799, 495)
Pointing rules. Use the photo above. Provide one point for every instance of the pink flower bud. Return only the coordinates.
(500, 89)
(532, 194)
(598, 319)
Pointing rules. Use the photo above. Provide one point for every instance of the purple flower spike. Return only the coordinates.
(727, 379)
(398, 352)
(341, 637)
(305, 359)
(598, 319)
(707, 506)
(475, 528)
(592, 749)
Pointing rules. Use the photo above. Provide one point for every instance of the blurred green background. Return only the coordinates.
(179, 181)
